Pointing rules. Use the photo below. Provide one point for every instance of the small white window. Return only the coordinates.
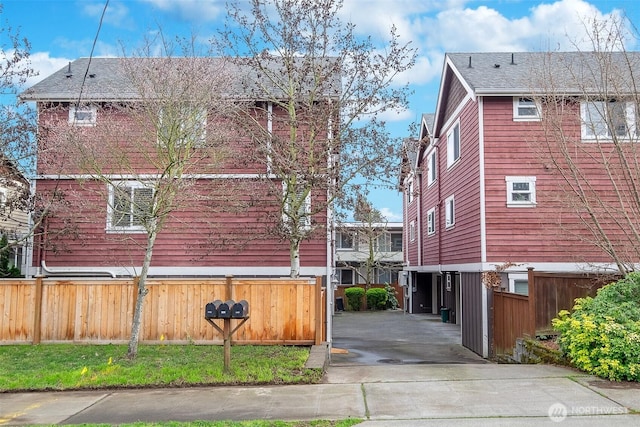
(521, 191)
(297, 206)
(525, 109)
(453, 145)
(412, 231)
(130, 206)
(345, 241)
(431, 168)
(410, 191)
(450, 212)
(83, 115)
(181, 126)
(431, 221)
(519, 283)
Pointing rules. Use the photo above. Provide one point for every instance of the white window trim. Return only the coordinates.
(111, 228)
(307, 209)
(432, 172)
(586, 127)
(339, 246)
(512, 280)
(451, 161)
(525, 118)
(450, 211)
(202, 115)
(431, 221)
(412, 231)
(531, 180)
(410, 191)
(74, 121)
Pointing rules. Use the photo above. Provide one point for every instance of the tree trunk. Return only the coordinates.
(142, 292)
(294, 252)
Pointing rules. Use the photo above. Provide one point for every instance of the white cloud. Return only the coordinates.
(45, 65)
(192, 10)
(117, 14)
(390, 215)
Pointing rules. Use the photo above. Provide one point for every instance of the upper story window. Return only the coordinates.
(525, 109)
(431, 221)
(182, 126)
(297, 206)
(412, 231)
(431, 168)
(521, 191)
(83, 115)
(450, 212)
(390, 242)
(608, 119)
(130, 205)
(344, 241)
(453, 144)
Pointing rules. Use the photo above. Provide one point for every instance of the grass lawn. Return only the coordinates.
(78, 366)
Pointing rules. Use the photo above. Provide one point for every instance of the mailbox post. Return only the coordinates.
(226, 311)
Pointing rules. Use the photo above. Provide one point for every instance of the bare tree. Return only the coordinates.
(590, 105)
(323, 90)
(371, 242)
(17, 145)
(168, 124)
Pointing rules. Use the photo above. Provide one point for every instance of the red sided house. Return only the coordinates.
(223, 225)
(482, 192)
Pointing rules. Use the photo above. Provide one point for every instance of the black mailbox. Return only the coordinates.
(211, 310)
(240, 310)
(224, 309)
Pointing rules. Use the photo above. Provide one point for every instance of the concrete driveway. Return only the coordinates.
(396, 337)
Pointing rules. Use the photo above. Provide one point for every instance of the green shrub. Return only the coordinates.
(602, 334)
(354, 297)
(377, 299)
(392, 301)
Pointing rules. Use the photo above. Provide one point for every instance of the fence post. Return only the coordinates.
(532, 301)
(37, 314)
(229, 287)
(319, 314)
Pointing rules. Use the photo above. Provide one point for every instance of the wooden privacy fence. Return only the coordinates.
(281, 311)
(516, 316)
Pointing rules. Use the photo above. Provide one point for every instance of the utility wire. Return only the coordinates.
(95, 40)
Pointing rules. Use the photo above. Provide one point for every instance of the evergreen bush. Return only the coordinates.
(601, 336)
(354, 297)
(377, 299)
(392, 300)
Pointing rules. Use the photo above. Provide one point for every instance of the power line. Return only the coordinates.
(95, 40)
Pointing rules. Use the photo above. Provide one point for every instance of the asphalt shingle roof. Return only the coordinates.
(106, 80)
(538, 72)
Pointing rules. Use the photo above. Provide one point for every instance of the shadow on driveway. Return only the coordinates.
(395, 337)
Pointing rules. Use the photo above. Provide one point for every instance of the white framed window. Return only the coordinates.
(345, 241)
(453, 144)
(130, 205)
(608, 119)
(297, 205)
(450, 211)
(525, 109)
(412, 231)
(431, 168)
(389, 242)
(181, 126)
(519, 283)
(521, 191)
(410, 191)
(431, 221)
(83, 115)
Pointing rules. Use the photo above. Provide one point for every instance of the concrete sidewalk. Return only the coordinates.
(383, 395)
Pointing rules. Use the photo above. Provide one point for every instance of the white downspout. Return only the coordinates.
(483, 228)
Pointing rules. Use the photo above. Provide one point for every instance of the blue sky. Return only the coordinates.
(63, 30)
